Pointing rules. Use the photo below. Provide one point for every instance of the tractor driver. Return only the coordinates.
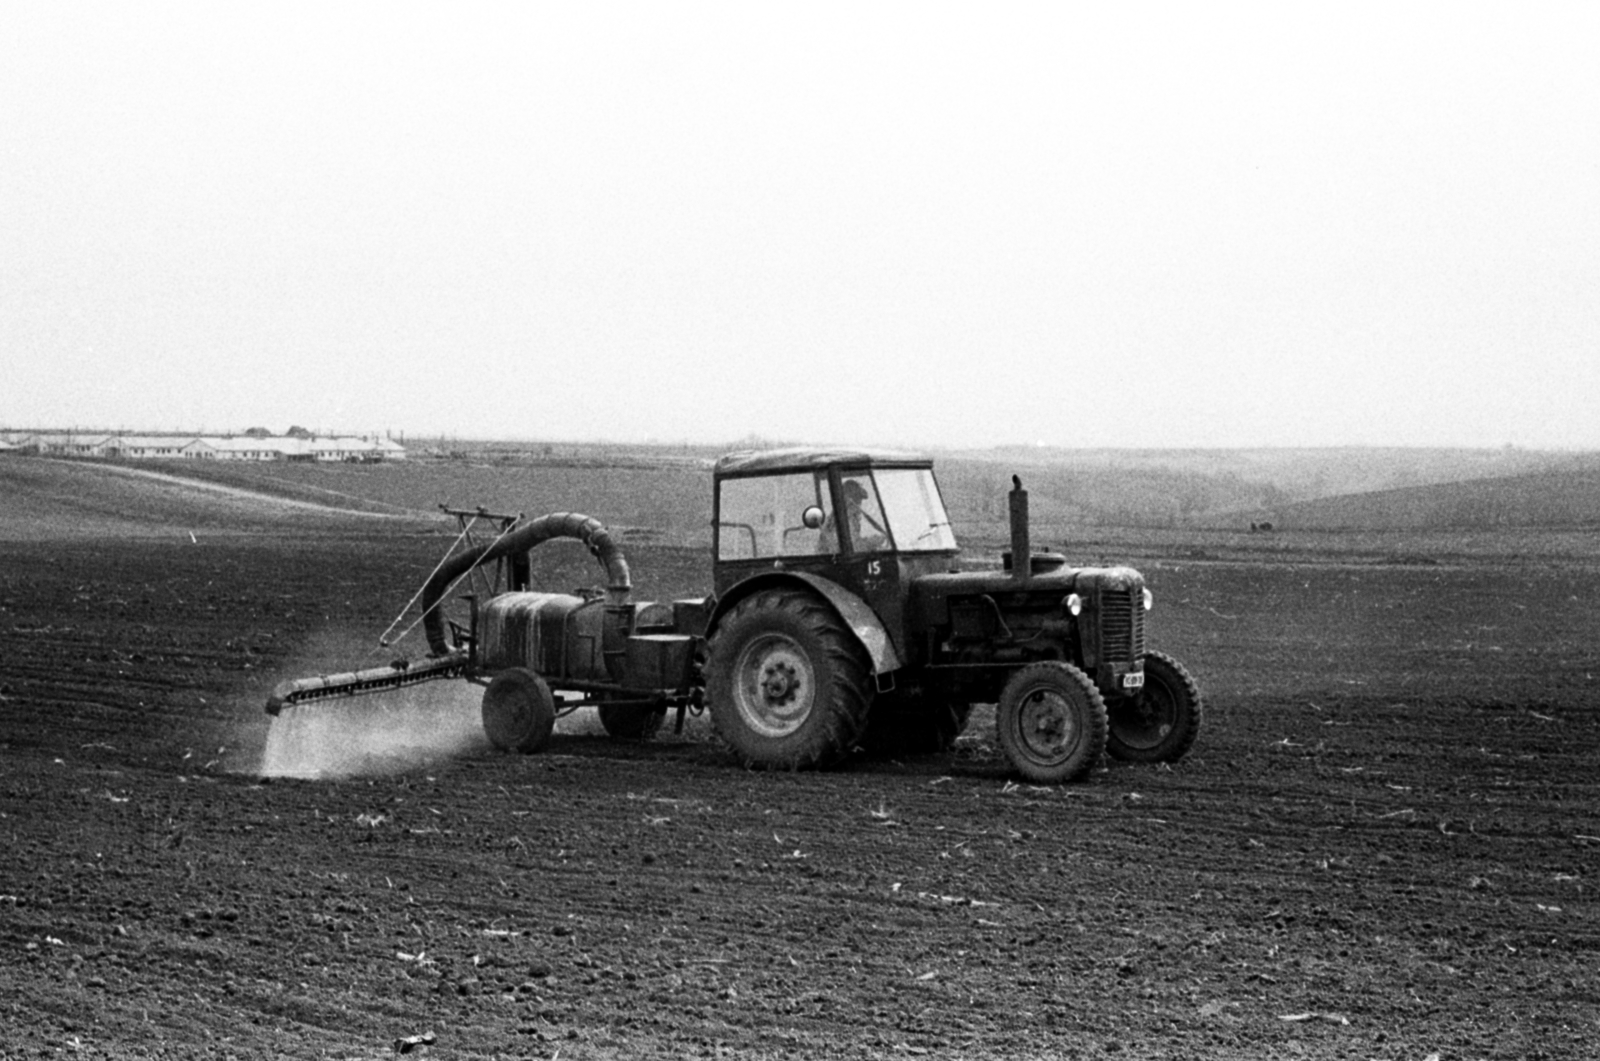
(866, 531)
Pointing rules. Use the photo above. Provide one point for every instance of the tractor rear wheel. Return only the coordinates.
(519, 711)
(1051, 721)
(631, 721)
(787, 683)
(913, 723)
(1160, 724)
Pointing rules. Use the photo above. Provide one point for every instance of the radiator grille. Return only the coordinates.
(1122, 625)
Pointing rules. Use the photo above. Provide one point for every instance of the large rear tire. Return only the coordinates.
(787, 683)
(1161, 723)
(1051, 721)
(519, 712)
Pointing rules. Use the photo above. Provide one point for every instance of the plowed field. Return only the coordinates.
(1386, 843)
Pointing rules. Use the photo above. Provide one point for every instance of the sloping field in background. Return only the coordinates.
(49, 499)
(661, 495)
(1568, 498)
(1176, 488)
(667, 489)
(1069, 496)
(667, 500)
(1301, 473)
(670, 501)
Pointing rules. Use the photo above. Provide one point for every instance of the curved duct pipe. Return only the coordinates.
(591, 532)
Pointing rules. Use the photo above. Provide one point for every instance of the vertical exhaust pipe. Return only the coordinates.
(1021, 548)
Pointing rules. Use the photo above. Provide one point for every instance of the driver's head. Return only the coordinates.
(854, 493)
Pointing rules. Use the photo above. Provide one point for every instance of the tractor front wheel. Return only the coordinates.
(1160, 724)
(787, 683)
(519, 711)
(1051, 722)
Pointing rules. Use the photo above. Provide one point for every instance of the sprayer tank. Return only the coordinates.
(555, 634)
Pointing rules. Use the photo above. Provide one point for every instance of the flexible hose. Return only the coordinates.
(466, 532)
(591, 532)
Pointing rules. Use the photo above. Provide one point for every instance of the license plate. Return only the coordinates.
(1133, 681)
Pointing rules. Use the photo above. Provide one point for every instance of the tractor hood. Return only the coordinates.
(931, 594)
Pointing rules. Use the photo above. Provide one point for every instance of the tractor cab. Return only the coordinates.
(866, 522)
(803, 506)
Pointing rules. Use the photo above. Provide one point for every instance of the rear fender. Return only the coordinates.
(851, 609)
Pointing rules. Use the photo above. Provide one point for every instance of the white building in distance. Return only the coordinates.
(203, 447)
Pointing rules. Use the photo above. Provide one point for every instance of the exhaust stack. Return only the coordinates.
(1021, 548)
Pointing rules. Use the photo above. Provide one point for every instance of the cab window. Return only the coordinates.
(764, 516)
(916, 513)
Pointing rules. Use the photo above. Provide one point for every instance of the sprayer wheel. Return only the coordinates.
(519, 711)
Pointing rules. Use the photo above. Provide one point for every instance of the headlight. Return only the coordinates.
(1149, 599)
(1073, 603)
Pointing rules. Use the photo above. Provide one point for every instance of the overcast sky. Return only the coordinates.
(1099, 224)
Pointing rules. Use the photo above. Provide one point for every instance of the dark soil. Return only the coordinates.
(1384, 845)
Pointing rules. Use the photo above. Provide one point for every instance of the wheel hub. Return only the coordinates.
(779, 682)
(775, 690)
(1047, 723)
(1145, 721)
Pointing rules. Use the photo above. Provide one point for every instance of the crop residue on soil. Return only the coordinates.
(377, 734)
(1384, 845)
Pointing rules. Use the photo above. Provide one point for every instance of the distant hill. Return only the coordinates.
(46, 499)
(1565, 498)
(1300, 473)
(664, 493)
(1172, 488)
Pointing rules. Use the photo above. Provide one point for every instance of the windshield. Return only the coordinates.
(915, 512)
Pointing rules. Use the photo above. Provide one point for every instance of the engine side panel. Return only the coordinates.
(972, 622)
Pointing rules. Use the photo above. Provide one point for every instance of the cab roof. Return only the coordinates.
(809, 458)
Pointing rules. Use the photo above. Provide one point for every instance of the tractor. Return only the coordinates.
(839, 619)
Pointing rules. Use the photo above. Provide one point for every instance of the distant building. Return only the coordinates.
(253, 449)
(146, 447)
(68, 444)
(339, 449)
(350, 450)
(232, 449)
(250, 447)
(389, 449)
